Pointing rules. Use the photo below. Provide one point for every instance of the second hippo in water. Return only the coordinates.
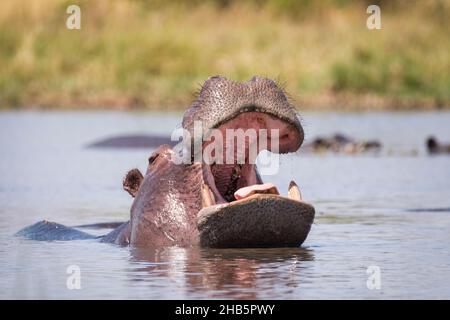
(435, 147)
(215, 204)
(340, 143)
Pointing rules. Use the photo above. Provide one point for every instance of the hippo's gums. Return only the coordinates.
(212, 203)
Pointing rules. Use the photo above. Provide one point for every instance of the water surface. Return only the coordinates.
(390, 210)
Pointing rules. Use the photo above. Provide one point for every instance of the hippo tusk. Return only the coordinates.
(207, 196)
(294, 191)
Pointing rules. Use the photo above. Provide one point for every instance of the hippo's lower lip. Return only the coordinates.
(256, 221)
(261, 217)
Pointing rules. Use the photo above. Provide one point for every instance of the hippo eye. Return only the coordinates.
(152, 158)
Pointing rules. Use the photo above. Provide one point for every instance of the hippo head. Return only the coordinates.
(222, 203)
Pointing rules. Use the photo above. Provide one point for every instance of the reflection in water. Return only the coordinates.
(429, 210)
(234, 273)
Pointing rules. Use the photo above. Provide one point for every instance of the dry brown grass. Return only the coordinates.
(131, 54)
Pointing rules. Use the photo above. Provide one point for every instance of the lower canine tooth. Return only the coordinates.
(207, 196)
(294, 192)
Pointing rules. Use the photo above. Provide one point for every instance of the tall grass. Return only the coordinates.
(151, 54)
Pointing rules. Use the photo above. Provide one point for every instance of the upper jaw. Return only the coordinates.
(220, 100)
(289, 124)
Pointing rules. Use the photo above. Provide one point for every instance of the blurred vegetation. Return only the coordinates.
(156, 54)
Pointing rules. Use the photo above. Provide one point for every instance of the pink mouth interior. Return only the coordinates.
(246, 192)
(230, 182)
(289, 139)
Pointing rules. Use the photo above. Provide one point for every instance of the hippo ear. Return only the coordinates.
(132, 182)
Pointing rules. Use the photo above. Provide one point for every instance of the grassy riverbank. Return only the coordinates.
(147, 54)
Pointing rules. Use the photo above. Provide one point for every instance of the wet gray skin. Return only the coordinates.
(195, 204)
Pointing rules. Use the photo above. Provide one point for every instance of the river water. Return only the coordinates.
(382, 227)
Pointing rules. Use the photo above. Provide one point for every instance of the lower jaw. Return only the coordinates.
(258, 217)
(260, 220)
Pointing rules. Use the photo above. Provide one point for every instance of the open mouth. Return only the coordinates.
(228, 181)
(238, 209)
(241, 211)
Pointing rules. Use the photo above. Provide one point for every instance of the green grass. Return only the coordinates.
(154, 55)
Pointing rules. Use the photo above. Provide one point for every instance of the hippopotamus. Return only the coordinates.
(212, 204)
(341, 143)
(132, 141)
(435, 147)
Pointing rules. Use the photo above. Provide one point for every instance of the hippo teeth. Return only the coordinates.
(207, 196)
(294, 191)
